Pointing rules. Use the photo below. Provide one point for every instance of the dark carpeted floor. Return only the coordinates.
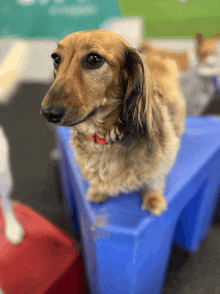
(36, 184)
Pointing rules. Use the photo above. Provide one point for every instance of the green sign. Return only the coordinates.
(175, 18)
(53, 18)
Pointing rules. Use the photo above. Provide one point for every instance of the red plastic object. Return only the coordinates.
(46, 261)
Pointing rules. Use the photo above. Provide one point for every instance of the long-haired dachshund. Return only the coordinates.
(125, 111)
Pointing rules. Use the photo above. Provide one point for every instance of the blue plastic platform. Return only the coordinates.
(127, 250)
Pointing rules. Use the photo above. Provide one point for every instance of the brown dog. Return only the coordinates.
(206, 48)
(181, 58)
(206, 52)
(125, 111)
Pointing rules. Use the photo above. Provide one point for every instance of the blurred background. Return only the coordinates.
(29, 32)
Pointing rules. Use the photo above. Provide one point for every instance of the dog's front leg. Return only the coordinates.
(153, 197)
(96, 194)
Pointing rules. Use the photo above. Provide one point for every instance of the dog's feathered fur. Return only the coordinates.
(130, 93)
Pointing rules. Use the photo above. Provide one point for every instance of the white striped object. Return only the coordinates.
(11, 69)
(13, 229)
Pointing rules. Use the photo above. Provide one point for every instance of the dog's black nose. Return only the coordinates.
(53, 114)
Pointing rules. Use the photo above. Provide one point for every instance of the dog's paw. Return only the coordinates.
(14, 232)
(154, 201)
(93, 195)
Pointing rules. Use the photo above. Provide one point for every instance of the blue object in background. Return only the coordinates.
(216, 84)
(126, 250)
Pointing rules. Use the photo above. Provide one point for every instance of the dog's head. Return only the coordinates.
(206, 49)
(101, 86)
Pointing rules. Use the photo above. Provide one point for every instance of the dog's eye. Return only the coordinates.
(56, 59)
(94, 60)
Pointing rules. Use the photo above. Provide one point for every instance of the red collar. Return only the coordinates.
(99, 140)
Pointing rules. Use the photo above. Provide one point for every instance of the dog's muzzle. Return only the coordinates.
(53, 114)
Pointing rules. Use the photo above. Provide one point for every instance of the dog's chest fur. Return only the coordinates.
(123, 164)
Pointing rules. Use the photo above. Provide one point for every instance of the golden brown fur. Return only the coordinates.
(181, 58)
(129, 93)
(206, 47)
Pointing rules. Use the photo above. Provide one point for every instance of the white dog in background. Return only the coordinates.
(13, 229)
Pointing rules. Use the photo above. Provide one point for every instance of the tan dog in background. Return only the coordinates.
(206, 52)
(181, 58)
(125, 111)
(206, 49)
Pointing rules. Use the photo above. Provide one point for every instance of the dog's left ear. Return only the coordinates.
(199, 38)
(136, 115)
